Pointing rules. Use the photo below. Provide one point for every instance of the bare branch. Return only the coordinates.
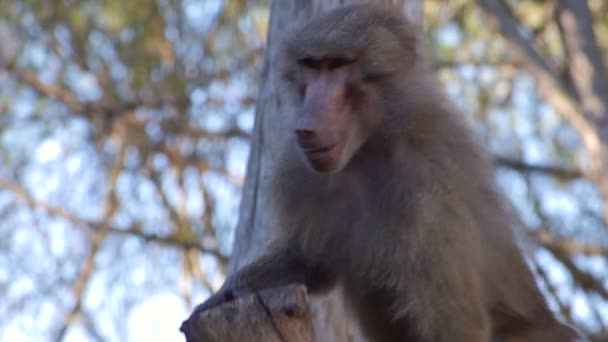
(556, 94)
(134, 230)
(99, 236)
(567, 246)
(585, 280)
(48, 90)
(563, 309)
(557, 171)
(548, 85)
(586, 64)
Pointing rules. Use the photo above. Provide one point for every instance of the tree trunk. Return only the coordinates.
(257, 221)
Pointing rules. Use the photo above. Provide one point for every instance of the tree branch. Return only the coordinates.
(134, 230)
(585, 280)
(557, 171)
(564, 310)
(567, 246)
(48, 90)
(556, 94)
(586, 64)
(548, 85)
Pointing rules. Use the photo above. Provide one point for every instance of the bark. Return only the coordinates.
(272, 315)
(257, 222)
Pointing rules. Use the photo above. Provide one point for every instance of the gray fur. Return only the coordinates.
(411, 222)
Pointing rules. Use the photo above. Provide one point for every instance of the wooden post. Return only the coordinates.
(279, 314)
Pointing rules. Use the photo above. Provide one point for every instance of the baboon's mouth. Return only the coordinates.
(313, 152)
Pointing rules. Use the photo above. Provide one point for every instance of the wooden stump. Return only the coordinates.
(279, 314)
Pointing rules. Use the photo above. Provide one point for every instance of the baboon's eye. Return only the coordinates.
(310, 63)
(338, 62)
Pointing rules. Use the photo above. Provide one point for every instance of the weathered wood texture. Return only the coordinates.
(280, 315)
(256, 222)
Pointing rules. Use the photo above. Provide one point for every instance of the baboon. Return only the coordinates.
(384, 189)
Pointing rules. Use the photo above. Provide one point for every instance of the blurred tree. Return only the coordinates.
(123, 138)
(539, 94)
(124, 130)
